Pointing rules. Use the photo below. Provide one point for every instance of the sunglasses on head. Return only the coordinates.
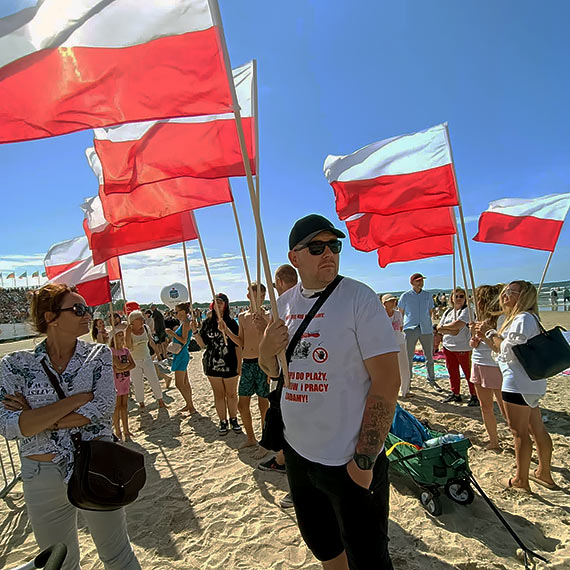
(317, 247)
(79, 309)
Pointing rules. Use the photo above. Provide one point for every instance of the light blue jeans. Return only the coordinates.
(54, 519)
(426, 340)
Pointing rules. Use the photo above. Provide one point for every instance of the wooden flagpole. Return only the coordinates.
(454, 268)
(188, 280)
(257, 183)
(250, 183)
(462, 219)
(207, 267)
(254, 304)
(544, 274)
(460, 253)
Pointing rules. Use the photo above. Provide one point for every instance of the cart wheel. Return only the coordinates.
(431, 503)
(460, 492)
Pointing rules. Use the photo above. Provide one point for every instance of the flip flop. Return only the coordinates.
(508, 485)
(545, 484)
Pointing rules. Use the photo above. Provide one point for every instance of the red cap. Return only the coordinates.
(416, 276)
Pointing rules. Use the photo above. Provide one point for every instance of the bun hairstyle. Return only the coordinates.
(47, 299)
(183, 307)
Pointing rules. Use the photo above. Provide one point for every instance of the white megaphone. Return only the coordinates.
(173, 294)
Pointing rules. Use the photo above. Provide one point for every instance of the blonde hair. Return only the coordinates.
(134, 316)
(489, 303)
(527, 302)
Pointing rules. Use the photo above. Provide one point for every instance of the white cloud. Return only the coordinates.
(11, 262)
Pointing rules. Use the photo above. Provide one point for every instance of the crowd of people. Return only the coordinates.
(347, 360)
(14, 305)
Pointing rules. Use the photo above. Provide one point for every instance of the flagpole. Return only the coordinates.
(252, 195)
(469, 311)
(461, 217)
(255, 305)
(454, 269)
(207, 267)
(188, 280)
(14, 278)
(257, 183)
(544, 274)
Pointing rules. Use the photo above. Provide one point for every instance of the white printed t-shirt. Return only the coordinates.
(323, 407)
(456, 342)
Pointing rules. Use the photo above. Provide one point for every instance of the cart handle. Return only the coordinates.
(389, 452)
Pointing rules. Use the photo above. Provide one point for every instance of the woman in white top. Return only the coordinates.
(456, 337)
(485, 372)
(137, 339)
(521, 394)
(390, 303)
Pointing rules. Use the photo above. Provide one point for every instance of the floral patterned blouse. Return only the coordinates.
(90, 369)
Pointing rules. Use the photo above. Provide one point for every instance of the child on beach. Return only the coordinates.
(123, 363)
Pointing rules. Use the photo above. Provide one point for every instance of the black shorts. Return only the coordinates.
(335, 514)
(514, 398)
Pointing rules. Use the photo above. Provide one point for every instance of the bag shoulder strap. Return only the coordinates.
(542, 329)
(308, 318)
(53, 380)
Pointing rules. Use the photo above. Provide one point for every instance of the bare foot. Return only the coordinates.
(492, 446)
(248, 443)
(128, 436)
(261, 452)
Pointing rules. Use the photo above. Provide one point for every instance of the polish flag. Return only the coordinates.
(417, 249)
(71, 65)
(160, 199)
(202, 147)
(368, 232)
(107, 241)
(526, 222)
(400, 174)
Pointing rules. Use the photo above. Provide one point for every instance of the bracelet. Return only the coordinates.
(490, 334)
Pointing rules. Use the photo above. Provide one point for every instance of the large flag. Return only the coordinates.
(63, 256)
(368, 232)
(107, 241)
(400, 174)
(160, 199)
(526, 222)
(202, 147)
(417, 249)
(104, 62)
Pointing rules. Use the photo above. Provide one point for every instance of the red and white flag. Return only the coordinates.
(72, 65)
(133, 154)
(400, 174)
(526, 222)
(368, 232)
(70, 262)
(159, 199)
(417, 249)
(107, 241)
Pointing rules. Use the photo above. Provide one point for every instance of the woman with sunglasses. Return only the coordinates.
(99, 332)
(32, 412)
(456, 337)
(521, 395)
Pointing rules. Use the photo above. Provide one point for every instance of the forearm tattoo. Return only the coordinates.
(376, 422)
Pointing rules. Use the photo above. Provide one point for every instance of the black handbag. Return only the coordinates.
(544, 355)
(272, 435)
(106, 476)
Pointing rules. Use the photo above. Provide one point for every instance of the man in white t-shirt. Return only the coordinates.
(338, 408)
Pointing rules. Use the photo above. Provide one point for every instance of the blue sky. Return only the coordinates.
(333, 77)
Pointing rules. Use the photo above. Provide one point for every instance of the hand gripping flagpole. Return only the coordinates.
(245, 264)
(464, 231)
(257, 184)
(250, 183)
(207, 267)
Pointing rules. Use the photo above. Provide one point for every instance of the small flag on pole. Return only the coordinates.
(23, 276)
(11, 276)
(36, 274)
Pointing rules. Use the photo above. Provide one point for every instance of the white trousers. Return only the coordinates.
(145, 368)
(405, 376)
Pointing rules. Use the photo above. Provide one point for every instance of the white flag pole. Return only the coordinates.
(257, 184)
(188, 280)
(462, 219)
(250, 183)
(207, 267)
(1, 279)
(544, 274)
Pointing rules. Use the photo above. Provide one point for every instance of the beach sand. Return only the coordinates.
(206, 505)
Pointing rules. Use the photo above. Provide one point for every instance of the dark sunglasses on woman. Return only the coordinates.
(317, 247)
(79, 309)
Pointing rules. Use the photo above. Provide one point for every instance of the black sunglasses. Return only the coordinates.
(79, 309)
(317, 247)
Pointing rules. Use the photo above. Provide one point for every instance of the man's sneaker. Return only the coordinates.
(286, 502)
(223, 429)
(453, 398)
(272, 465)
(235, 425)
(473, 402)
(434, 385)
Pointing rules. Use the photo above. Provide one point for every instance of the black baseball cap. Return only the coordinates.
(308, 227)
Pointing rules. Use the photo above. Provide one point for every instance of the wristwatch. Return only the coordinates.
(491, 333)
(363, 461)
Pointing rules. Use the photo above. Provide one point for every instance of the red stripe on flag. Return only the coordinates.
(417, 249)
(161, 199)
(387, 195)
(172, 150)
(54, 270)
(522, 231)
(371, 231)
(86, 87)
(95, 292)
